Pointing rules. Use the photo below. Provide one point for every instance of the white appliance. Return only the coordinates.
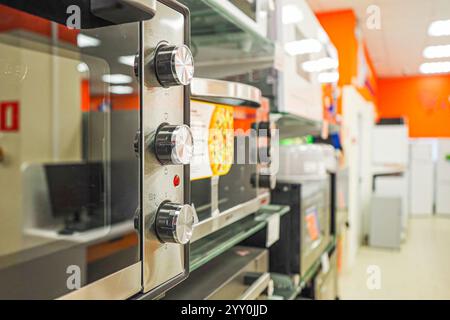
(443, 177)
(422, 177)
(304, 54)
(390, 159)
(390, 145)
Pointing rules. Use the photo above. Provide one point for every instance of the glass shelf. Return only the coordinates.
(292, 126)
(284, 286)
(225, 41)
(206, 249)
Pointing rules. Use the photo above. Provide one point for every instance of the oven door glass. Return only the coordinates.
(69, 174)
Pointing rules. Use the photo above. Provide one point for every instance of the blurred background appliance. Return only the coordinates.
(303, 184)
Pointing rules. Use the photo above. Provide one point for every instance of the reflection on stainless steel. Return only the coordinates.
(71, 178)
(226, 92)
(12, 71)
(228, 217)
(239, 273)
(118, 286)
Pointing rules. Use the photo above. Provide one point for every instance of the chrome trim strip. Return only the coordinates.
(118, 286)
(257, 288)
(225, 92)
(210, 225)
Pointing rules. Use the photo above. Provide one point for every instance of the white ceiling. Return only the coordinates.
(396, 49)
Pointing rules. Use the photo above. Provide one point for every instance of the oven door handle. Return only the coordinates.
(123, 11)
(257, 288)
(87, 14)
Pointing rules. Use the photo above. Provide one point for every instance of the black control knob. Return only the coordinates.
(174, 65)
(175, 223)
(174, 144)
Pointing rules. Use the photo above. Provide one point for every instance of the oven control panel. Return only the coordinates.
(167, 217)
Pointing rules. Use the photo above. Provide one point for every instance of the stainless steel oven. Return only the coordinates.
(225, 180)
(241, 273)
(94, 181)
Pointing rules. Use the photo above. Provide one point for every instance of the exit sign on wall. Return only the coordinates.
(9, 116)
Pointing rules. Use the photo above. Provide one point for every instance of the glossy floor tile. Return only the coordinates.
(420, 270)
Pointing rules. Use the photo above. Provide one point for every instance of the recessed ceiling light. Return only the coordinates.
(116, 78)
(121, 89)
(320, 65)
(439, 28)
(84, 41)
(127, 60)
(433, 52)
(328, 77)
(435, 67)
(306, 46)
(291, 14)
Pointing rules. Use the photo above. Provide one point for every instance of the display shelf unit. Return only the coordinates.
(291, 125)
(288, 290)
(225, 41)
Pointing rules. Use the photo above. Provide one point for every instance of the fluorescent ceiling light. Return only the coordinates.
(295, 48)
(82, 67)
(292, 14)
(328, 77)
(85, 41)
(127, 60)
(434, 52)
(116, 78)
(121, 90)
(435, 67)
(320, 65)
(439, 28)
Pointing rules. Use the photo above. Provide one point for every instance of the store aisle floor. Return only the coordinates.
(420, 270)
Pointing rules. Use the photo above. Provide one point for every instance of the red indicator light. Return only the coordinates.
(176, 180)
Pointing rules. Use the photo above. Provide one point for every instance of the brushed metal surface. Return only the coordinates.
(225, 92)
(257, 288)
(228, 217)
(161, 262)
(118, 286)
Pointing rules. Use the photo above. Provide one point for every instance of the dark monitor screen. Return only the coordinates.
(74, 187)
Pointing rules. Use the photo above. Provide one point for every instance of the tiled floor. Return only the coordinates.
(420, 270)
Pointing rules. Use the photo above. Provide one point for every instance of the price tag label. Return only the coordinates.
(279, 57)
(325, 260)
(273, 230)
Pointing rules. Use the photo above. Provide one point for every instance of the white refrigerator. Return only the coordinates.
(422, 178)
(443, 177)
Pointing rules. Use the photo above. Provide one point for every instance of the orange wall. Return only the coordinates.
(424, 101)
(341, 28)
